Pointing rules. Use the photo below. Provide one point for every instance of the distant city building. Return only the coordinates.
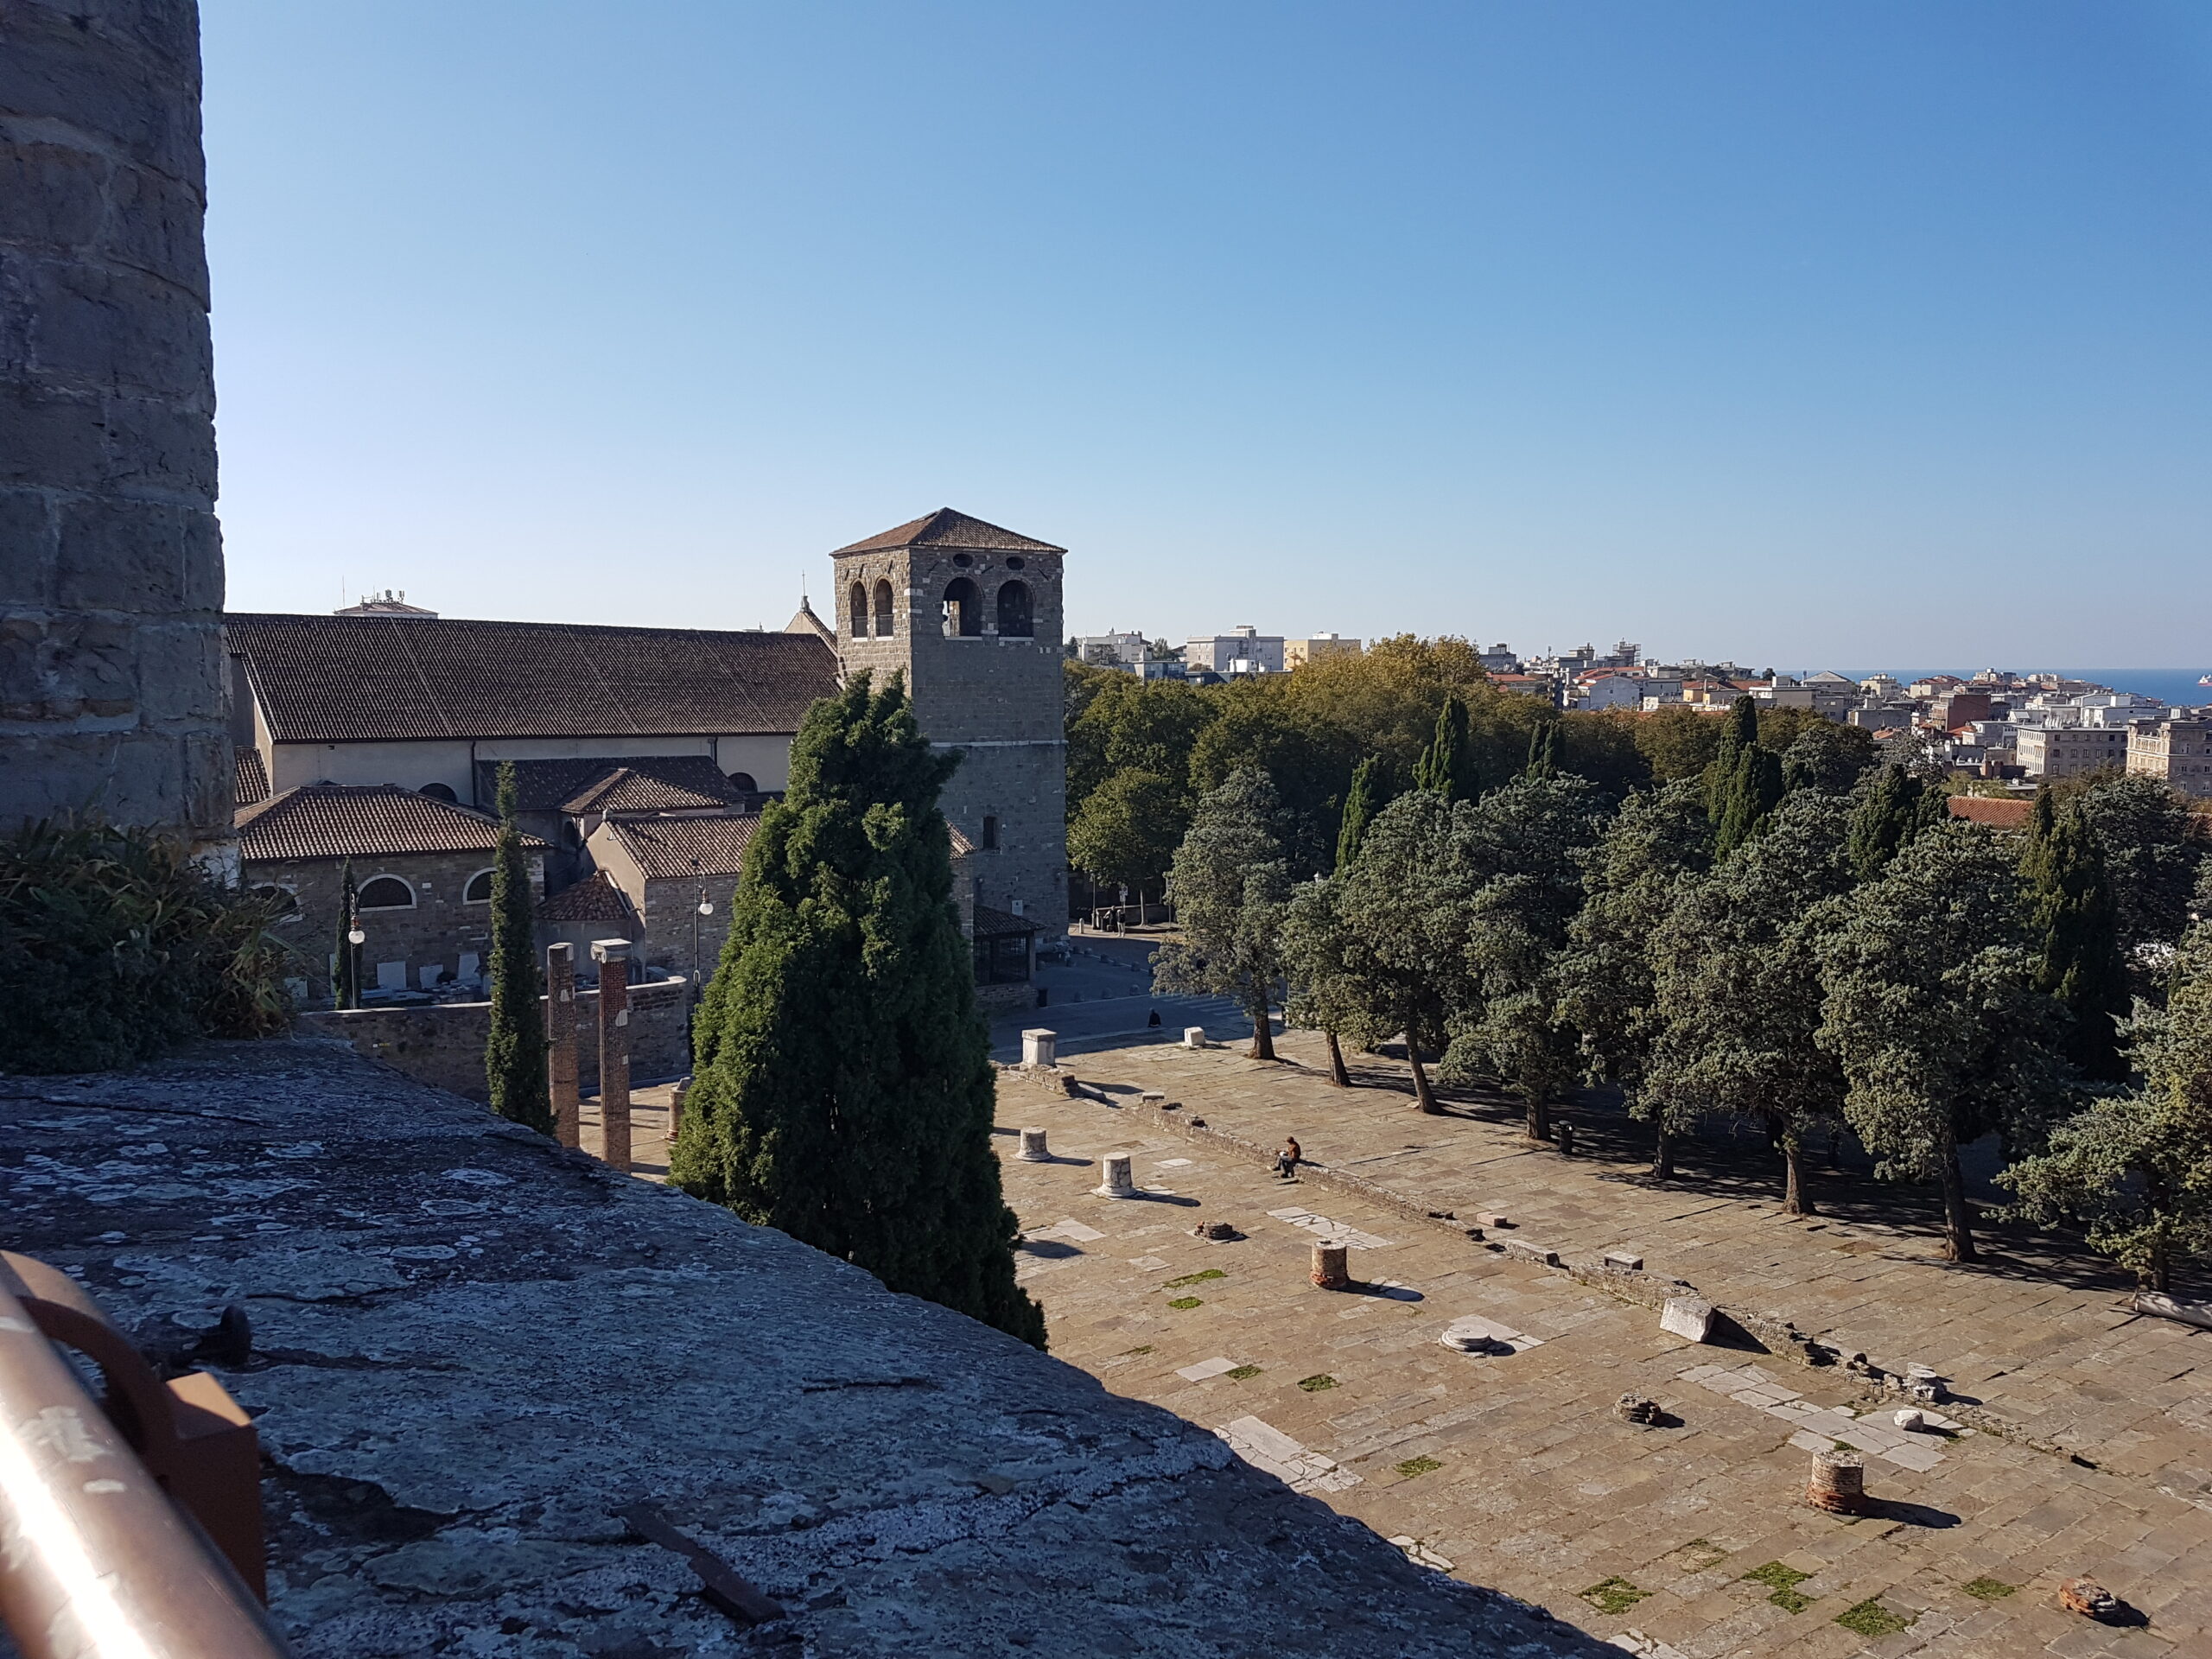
(1499, 659)
(2050, 752)
(1296, 653)
(1112, 649)
(2177, 751)
(387, 603)
(1242, 651)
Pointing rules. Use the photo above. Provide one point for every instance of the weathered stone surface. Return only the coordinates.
(1627, 1260)
(2161, 1306)
(472, 1346)
(1522, 1250)
(1690, 1317)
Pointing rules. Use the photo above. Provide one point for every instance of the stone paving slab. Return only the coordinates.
(1510, 1466)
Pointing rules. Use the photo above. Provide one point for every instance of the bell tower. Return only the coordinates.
(971, 614)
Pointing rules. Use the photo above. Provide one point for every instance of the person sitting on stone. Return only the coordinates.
(1286, 1159)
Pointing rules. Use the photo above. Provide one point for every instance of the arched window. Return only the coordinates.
(963, 609)
(386, 893)
(856, 607)
(744, 780)
(1014, 618)
(440, 792)
(283, 904)
(478, 890)
(884, 611)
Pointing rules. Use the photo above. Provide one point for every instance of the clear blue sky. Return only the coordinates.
(1796, 332)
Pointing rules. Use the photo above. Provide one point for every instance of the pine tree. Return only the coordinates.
(1543, 750)
(1448, 767)
(1890, 811)
(1369, 794)
(1231, 881)
(514, 1052)
(2082, 964)
(346, 979)
(1401, 902)
(844, 1089)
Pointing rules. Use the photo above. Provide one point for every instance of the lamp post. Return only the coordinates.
(355, 939)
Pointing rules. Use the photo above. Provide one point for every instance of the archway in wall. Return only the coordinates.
(856, 609)
(1016, 616)
(885, 614)
(963, 609)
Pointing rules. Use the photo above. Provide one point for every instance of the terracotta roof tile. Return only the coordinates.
(594, 898)
(1000, 923)
(249, 782)
(1994, 810)
(946, 528)
(664, 848)
(341, 821)
(335, 679)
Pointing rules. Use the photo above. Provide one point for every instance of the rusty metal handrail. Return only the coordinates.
(94, 1561)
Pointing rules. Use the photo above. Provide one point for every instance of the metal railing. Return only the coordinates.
(130, 1526)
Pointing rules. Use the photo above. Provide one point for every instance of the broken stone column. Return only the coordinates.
(561, 1043)
(1118, 1183)
(676, 1098)
(1331, 1267)
(112, 680)
(2089, 1599)
(1039, 1046)
(1689, 1317)
(1033, 1148)
(613, 957)
(1838, 1483)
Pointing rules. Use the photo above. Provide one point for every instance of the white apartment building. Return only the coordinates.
(2054, 751)
(1111, 650)
(2177, 751)
(1243, 650)
(1296, 653)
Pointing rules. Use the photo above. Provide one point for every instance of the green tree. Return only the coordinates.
(2136, 1169)
(345, 977)
(1369, 794)
(1321, 959)
(1544, 752)
(844, 1086)
(1259, 727)
(514, 1052)
(1524, 844)
(1403, 901)
(1826, 757)
(1677, 742)
(1889, 812)
(1739, 731)
(1656, 846)
(1230, 883)
(2153, 846)
(1735, 969)
(1448, 767)
(1747, 797)
(1127, 830)
(2080, 962)
(1932, 1007)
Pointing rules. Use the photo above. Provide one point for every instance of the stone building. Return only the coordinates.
(111, 562)
(2176, 750)
(1319, 648)
(971, 613)
(2055, 752)
(422, 874)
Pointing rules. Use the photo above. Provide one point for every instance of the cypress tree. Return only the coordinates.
(1543, 750)
(514, 1052)
(1747, 797)
(346, 978)
(1739, 734)
(1446, 767)
(1896, 809)
(1368, 795)
(844, 1088)
(2080, 962)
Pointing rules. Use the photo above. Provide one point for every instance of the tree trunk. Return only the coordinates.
(1794, 1201)
(1540, 1119)
(2160, 1270)
(1338, 1075)
(1662, 1159)
(1958, 1217)
(1424, 1096)
(1263, 1034)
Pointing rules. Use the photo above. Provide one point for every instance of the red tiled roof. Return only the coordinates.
(1995, 810)
(342, 821)
(946, 528)
(664, 848)
(594, 898)
(249, 781)
(335, 679)
(651, 788)
(960, 845)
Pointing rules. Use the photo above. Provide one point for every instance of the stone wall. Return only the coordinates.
(112, 693)
(442, 1044)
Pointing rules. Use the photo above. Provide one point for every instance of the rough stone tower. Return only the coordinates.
(110, 563)
(971, 614)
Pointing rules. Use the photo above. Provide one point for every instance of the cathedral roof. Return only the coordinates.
(946, 528)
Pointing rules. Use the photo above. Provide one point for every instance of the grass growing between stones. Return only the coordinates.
(1871, 1619)
(1614, 1595)
(1133, 1352)
(1413, 1466)
(1242, 1372)
(1783, 1581)
(1988, 1589)
(1315, 1384)
(1196, 1278)
(1186, 1301)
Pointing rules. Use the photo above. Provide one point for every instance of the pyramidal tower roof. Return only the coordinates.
(946, 528)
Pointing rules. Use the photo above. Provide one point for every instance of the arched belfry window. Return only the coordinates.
(884, 614)
(963, 609)
(857, 608)
(1014, 611)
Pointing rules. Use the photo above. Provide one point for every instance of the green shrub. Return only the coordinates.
(114, 946)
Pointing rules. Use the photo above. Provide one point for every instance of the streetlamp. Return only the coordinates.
(706, 907)
(356, 937)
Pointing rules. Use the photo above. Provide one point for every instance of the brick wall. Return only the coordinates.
(443, 1045)
(111, 692)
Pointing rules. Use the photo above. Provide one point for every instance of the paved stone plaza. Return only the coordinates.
(1509, 1468)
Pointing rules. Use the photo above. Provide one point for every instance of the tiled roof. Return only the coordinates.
(657, 789)
(660, 781)
(342, 821)
(946, 528)
(336, 679)
(594, 898)
(665, 846)
(1000, 923)
(960, 845)
(250, 783)
(1995, 810)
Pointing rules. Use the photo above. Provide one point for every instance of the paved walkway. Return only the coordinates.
(1509, 1467)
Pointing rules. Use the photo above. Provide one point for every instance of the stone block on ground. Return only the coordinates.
(1628, 1261)
(1691, 1318)
(1522, 1250)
